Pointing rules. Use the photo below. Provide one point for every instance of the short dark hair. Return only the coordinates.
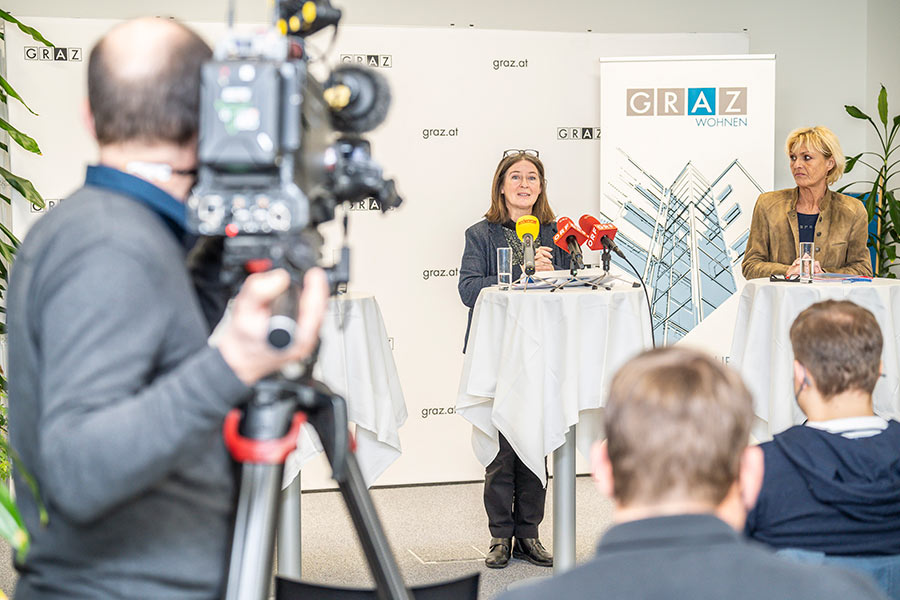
(161, 107)
(676, 424)
(840, 344)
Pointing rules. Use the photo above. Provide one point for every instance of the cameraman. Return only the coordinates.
(116, 398)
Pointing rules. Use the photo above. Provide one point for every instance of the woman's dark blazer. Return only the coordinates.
(479, 261)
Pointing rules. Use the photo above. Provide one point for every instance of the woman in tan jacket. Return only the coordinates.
(810, 212)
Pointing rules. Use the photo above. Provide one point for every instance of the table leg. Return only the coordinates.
(564, 505)
(289, 531)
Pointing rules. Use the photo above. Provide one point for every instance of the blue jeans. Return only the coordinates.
(885, 570)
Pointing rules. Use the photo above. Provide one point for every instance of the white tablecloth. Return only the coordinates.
(356, 362)
(539, 362)
(761, 349)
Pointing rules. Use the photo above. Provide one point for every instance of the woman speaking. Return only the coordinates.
(513, 495)
(835, 223)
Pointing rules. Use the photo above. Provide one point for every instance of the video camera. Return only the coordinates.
(278, 151)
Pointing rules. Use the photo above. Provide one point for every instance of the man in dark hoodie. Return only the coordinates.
(832, 485)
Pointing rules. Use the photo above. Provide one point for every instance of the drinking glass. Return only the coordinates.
(807, 260)
(504, 268)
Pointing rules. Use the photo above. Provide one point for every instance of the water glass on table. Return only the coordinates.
(807, 260)
(504, 268)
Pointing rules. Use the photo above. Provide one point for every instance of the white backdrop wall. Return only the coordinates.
(830, 52)
(456, 108)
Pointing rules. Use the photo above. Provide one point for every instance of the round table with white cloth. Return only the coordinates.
(538, 362)
(356, 362)
(761, 348)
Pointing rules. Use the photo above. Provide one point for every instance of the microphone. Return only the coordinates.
(570, 237)
(599, 235)
(359, 98)
(528, 228)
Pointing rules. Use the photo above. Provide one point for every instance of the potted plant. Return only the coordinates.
(881, 196)
(12, 527)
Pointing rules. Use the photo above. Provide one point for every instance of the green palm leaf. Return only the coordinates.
(34, 33)
(24, 187)
(26, 141)
(855, 112)
(12, 527)
(11, 92)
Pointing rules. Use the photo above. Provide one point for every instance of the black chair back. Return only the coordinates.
(465, 588)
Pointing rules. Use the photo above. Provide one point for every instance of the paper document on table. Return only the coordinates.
(562, 278)
(839, 277)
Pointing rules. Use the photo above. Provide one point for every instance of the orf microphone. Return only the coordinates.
(528, 228)
(600, 236)
(570, 237)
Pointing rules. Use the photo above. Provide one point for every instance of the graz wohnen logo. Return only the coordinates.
(709, 105)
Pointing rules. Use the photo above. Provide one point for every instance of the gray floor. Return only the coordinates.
(438, 532)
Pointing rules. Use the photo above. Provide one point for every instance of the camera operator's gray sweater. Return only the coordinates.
(116, 407)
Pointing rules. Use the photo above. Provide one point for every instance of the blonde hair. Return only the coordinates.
(497, 213)
(820, 139)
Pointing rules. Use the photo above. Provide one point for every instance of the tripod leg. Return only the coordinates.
(250, 570)
(289, 548)
(378, 552)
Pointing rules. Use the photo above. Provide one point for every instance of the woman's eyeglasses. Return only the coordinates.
(516, 151)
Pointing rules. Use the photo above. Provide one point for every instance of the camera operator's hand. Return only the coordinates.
(243, 342)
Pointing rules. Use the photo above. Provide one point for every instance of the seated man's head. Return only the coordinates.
(837, 359)
(677, 425)
(144, 96)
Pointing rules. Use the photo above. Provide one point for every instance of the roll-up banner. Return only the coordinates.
(460, 98)
(686, 149)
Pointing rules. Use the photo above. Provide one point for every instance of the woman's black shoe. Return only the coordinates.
(530, 549)
(498, 555)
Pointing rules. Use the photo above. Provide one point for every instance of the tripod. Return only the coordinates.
(260, 436)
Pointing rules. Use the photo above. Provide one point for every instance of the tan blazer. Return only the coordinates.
(841, 234)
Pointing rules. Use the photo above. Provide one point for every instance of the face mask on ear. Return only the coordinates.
(803, 385)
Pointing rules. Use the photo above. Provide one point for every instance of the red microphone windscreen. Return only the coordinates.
(595, 231)
(566, 227)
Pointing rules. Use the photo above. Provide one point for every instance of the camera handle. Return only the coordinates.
(260, 437)
(283, 323)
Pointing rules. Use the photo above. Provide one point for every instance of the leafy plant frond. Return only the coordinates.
(12, 526)
(34, 33)
(8, 89)
(27, 142)
(13, 240)
(24, 187)
(881, 199)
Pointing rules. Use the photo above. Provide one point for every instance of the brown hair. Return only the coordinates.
(161, 105)
(676, 422)
(498, 213)
(840, 344)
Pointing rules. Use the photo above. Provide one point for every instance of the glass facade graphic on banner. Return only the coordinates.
(688, 238)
